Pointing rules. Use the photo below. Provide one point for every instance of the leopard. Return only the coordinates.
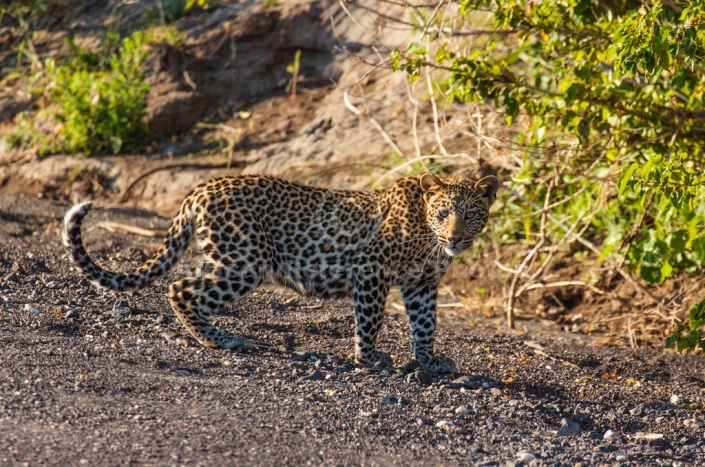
(328, 243)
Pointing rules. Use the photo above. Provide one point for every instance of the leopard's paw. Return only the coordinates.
(438, 364)
(375, 358)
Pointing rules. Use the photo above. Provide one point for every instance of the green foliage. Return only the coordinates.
(24, 8)
(98, 98)
(694, 338)
(102, 97)
(175, 9)
(293, 69)
(608, 99)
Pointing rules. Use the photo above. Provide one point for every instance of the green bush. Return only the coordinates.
(608, 100)
(101, 97)
(694, 338)
(98, 100)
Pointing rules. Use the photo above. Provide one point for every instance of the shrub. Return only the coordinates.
(611, 102)
(97, 99)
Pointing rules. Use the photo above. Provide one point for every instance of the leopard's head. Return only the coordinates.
(457, 209)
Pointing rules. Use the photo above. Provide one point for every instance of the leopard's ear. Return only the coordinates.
(430, 183)
(487, 188)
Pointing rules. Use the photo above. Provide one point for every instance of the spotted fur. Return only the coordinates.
(326, 243)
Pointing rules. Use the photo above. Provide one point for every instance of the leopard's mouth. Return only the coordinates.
(453, 250)
(456, 249)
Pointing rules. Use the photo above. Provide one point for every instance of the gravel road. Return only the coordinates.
(88, 377)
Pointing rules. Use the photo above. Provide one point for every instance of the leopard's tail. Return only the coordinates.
(160, 262)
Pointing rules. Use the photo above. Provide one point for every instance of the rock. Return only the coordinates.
(315, 376)
(372, 414)
(461, 410)
(568, 428)
(422, 377)
(621, 456)
(513, 402)
(445, 425)
(496, 392)
(423, 421)
(389, 399)
(609, 434)
(607, 448)
(487, 463)
(31, 309)
(526, 457)
(72, 314)
(675, 399)
(637, 411)
(655, 440)
(12, 277)
(300, 356)
(595, 435)
(464, 382)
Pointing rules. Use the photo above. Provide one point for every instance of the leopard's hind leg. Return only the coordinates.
(195, 299)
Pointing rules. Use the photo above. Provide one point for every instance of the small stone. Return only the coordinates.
(692, 423)
(423, 422)
(72, 314)
(568, 428)
(31, 309)
(422, 377)
(496, 392)
(621, 456)
(513, 402)
(372, 414)
(315, 376)
(389, 399)
(594, 435)
(637, 411)
(300, 356)
(12, 277)
(607, 448)
(526, 457)
(445, 425)
(609, 434)
(647, 436)
(675, 399)
(461, 410)
(464, 382)
(655, 440)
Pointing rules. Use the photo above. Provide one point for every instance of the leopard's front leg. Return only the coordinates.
(370, 292)
(420, 302)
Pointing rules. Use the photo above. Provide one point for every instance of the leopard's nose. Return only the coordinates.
(455, 240)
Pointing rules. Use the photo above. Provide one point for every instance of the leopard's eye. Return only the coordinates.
(470, 210)
(443, 213)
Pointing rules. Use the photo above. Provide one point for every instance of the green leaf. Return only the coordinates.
(671, 341)
(626, 177)
(684, 343)
(666, 271)
(650, 274)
